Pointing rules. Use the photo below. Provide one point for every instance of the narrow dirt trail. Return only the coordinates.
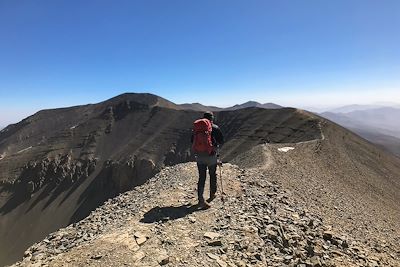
(156, 221)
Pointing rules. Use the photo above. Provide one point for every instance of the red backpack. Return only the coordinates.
(202, 136)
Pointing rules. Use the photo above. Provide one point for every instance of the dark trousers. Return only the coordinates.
(212, 170)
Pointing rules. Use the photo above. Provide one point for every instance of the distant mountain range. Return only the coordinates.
(249, 104)
(351, 108)
(195, 106)
(379, 125)
(199, 107)
(253, 104)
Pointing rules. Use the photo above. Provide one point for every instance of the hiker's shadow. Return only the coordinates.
(164, 214)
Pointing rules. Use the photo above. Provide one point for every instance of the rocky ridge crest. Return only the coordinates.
(256, 223)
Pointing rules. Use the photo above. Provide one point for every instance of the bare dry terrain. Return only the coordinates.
(58, 165)
(306, 191)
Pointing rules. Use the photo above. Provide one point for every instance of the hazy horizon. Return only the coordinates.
(15, 116)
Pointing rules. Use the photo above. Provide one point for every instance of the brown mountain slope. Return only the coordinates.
(58, 165)
(352, 184)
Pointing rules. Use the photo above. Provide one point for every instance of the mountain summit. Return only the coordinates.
(254, 104)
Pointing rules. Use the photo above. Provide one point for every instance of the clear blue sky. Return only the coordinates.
(299, 53)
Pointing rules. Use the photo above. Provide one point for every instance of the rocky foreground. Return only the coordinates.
(256, 223)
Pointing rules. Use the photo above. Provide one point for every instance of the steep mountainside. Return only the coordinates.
(58, 165)
(349, 182)
(389, 143)
(380, 126)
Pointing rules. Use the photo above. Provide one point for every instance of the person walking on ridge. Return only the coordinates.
(206, 140)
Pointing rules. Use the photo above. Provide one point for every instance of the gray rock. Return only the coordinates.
(96, 257)
(212, 256)
(164, 260)
(328, 235)
(315, 261)
(215, 243)
(221, 263)
(211, 235)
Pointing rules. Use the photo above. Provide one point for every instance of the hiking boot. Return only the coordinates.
(212, 197)
(204, 204)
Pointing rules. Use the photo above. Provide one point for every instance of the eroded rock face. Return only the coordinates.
(178, 155)
(114, 176)
(122, 109)
(62, 169)
(126, 175)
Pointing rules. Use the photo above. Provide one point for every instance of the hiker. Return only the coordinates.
(206, 140)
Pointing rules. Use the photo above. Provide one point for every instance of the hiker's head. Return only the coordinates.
(208, 115)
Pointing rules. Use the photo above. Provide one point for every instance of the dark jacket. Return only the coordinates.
(217, 136)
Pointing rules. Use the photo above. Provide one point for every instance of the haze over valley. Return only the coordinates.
(378, 124)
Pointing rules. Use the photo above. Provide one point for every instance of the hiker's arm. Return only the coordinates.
(219, 137)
